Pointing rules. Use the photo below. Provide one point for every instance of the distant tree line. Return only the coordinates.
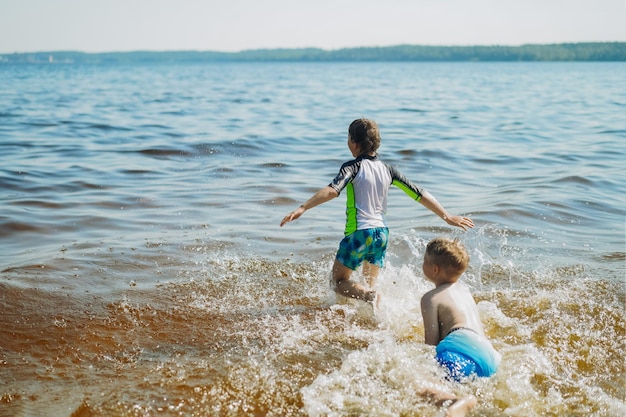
(594, 51)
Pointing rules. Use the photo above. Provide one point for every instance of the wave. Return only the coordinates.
(222, 327)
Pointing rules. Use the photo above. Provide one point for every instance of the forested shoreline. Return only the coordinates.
(593, 51)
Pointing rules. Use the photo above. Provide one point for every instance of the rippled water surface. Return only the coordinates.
(143, 272)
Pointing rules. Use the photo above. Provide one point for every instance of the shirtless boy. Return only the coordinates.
(451, 319)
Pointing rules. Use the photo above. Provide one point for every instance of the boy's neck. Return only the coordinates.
(444, 283)
(447, 280)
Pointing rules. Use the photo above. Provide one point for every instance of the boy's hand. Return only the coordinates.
(460, 221)
(293, 215)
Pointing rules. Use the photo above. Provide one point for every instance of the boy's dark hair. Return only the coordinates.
(448, 253)
(364, 132)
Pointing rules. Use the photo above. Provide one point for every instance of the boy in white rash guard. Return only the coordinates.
(451, 319)
(367, 180)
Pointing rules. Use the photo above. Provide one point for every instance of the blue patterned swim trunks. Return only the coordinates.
(464, 353)
(364, 245)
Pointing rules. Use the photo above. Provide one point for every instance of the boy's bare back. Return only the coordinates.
(450, 305)
(447, 307)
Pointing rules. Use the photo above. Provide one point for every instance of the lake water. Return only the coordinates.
(143, 271)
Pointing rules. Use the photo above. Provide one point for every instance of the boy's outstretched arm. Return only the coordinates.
(320, 197)
(431, 203)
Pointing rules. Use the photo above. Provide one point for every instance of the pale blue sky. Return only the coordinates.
(234, 25)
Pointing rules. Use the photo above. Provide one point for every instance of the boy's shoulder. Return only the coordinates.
(430, 294)
(440, 290)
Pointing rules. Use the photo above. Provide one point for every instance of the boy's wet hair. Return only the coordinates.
(364, 132)
(448, 253)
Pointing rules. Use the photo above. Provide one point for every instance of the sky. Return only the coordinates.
(236, 25)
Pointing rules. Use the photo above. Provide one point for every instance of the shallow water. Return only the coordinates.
(143, 271)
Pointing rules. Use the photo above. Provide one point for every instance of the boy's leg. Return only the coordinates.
(370, 272)
(461, 407)
(348, 288)
(458, 407)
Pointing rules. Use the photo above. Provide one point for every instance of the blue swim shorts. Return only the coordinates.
(458, 366)
(364, 245)
(464, 353)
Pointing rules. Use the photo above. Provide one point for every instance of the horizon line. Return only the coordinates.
(279, 48)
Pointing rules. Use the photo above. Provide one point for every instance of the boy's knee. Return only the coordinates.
(337, 284)
(342, 287)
